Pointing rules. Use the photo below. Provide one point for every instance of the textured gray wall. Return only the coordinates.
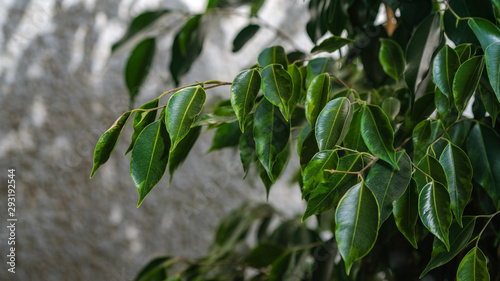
(59, 91)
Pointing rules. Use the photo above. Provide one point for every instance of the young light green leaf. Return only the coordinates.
(486, 32)
(466, 81)
(180, 153)
(138, 66)
(142, 119)
(277, 87)
(107, 142)
(332, 123)
(327, 194)
(149, 158)
(271, 134)
(391, 57)
(273, 55)
(434, 210)
(356, 224)
(244, 90)
(181, 112)
(378, 134)
(492, 56)
(315, 173)
(388, 184)
(405, 211)
(445, 66)
(247, 33)
(458, 170)
(317, 97)
(297, 81)
(391, 106)
(459, 238)
(331, 44)
(473, 267)
(353, 138)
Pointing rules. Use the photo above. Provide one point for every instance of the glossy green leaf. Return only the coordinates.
(138, 65)
(431, 167)
(244, 90)
(424, 134)
(290, 264)
(222, 113)
(181, 152)
(277, 87)
(317, 97)
(388, 184)
(271, 134)
(434, 210)
(181, 112)
(318, 66)
(490, 101)
(155, 270)
(492, 56)
(308, 147)
(459, 238)
(331, 44)
(445, 66)
(483, 151)
(332, 123)
(486, 32)
(405, 211)
(149, 158)
(107, 142)
(391, 106)
(297, 82)
(458, 170)
(142, 119)
(419, 52)
(473, 267)
(315, 173)
(353, 138)
(273, 55)
(466, 81)
(378, 134)
(445, 107)
(464, 51)
(391, 57)
(247, 147)
(356, 224)
(226, 135)
(247, 33)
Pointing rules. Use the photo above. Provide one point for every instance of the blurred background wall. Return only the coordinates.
(60, 90)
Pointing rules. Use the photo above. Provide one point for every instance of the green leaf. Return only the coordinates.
(405, 211)
(353, 138)
(492, 56)
(138, 65)
(297, 82)
(391, 106)
(277, 87)
(391, 58)
(445, 66)
(317, 97)
(434, 210)
(308, 146)
(155, 270)
(486, 32)
(222, 113)
(490, 101)
(333, 122)
(431, 166)
(180, 153)
(459, 238)
(244, 90)
(247, 147)
(331, 44)
(142, 119)
(473, 267)
(419, 52)
(356, 224)
(388, 184)
(483, 151)
(271, 134)
(107, 142)
(464, 51)
(378, 135)
(458, 170)
(315, 173)
(424, 134)
(318, 66)
(264, 254)
(226, 135)
(149, 158)
(182, 109)
(328, 193)
(292, 264)
(466, 81)
(273, 55)
(244, 36)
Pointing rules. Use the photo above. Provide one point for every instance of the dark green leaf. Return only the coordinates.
(492, 57)
(264, 254)
(227, 135)
(486, 32)
(332, 123)
(142, 119)
(297, 81)
(317, 97)
(431, 167)
(356, 224)
(277, 87)
(464, 52)
(290, 265)
(138, 66)
(466, 81)
(315, 27)
(308, 146)
(182, 109)
(155, 270)
(353, 138)
(247, 147)
(149, 158)
(445, 107)
(378, 134)
(473, 267)
(180, 153)
(244, 36)
(405, 210)
(331, 44)
(391, 106)
(107, 142)
(318, 66)
(244, 90)
(445, 66)
(435, 212)
(490, 102)
(391, 58)
(315, 173)
(388, 184)
(273, 55)
(424, 134)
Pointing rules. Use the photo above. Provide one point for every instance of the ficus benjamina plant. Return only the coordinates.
(395, 132)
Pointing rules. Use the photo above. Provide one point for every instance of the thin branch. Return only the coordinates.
(485, 226)
(427, 175)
